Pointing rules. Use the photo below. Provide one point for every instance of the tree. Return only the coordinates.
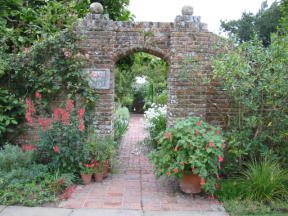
(263, 24)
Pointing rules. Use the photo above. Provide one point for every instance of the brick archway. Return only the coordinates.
(108, 41)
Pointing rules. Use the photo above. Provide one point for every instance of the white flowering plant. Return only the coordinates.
(156, 120)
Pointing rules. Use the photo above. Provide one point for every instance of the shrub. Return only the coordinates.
(156, 121)
(12, 157)
(121, 123)
(191, 145)
(61, 137)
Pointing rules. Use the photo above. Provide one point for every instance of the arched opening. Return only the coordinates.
(141, 85)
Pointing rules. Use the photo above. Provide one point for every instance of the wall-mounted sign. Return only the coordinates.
(99, 78)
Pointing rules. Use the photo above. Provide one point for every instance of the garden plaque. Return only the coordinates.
(99, 78)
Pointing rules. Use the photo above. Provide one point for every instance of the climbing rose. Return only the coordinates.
(211, 144)
(89, 165)
(197, 132)
(220, 159)
(217, 132)
(93, 74)
(198, 123)
(56, 149)
(202, 182)
(87, 56)
(67, 54)
(206, 147)
(38, 95)
(168, 173)
(30, 110)
(61, 115)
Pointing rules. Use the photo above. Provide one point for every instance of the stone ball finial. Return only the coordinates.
(187, 10)
(96, 8)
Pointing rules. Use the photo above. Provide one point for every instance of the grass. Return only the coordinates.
(248, 207)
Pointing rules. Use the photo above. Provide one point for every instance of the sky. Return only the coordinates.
(211, 11)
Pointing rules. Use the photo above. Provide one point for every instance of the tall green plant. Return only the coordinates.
(255, 78)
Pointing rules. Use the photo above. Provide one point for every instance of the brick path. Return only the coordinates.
(134, 185)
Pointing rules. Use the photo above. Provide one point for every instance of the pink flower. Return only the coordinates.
(61, 115)
(193, 169)
(202, 182)
(81, 125)
(176, 148)
(67, 54)
(87, 56)
(69, 105)
(168, 173)
(220, 159)
(168, 135)
(206, 147)
(56, 149)
(28, 147)
(198, 123)
(176, 170)
(45, 123)
(218, 132)
(81, 113)
(38, 95)
(211, 144)
(93, 74)
(223, 145)
(30, 110)
(217, 185)
(197, 132)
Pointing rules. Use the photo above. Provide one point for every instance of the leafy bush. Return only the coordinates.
(13, 157)
(255, 78)
(156, 121)
(121, 122)
(61, 137)
(191, 145)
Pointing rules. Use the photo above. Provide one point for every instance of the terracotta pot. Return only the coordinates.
(105, 170)
(98, 177)
(190, 183)
(86, 178)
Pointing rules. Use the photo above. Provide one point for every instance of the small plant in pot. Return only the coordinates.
(192, 151)
(86, 173)
(99, 172)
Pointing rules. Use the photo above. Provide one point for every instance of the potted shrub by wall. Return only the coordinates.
(99, 172)
(87, 172)
(192, 151)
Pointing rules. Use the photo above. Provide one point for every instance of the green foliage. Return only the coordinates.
(264, 181)
(255, 78)
(121, 122)
(12, 157)
(10, 109)
(190, 145)
(263, 24)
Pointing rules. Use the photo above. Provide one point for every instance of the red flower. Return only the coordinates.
(206, 147)
(28, 147)
(193, 169)
(61, 115)
(81, 113)
(89, 165)
(197, 132)
(198, 123)
(176, 170)
(81, 125)
(30, 110)
(38, 95)
(69, 105)
(220, 159)
(218, 132)
(176, 148)
(202, 182)
(56, 149)
(45, 123)
(217, 185)
(168, 135)
(211, 144)
(168, 173)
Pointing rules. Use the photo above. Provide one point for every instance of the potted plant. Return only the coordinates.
(99, 172)
(86, 173)
(192, 151)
